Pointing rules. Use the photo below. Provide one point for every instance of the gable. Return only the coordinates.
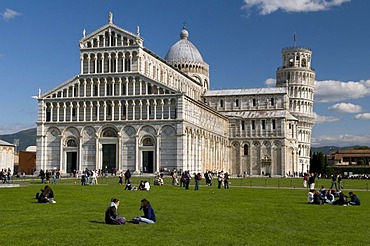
(74, 87)
(62, 89)
(110, 35)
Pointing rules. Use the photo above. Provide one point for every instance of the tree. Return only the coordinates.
(362, 147)
(360, 162)
(318, 162)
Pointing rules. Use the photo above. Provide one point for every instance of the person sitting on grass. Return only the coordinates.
(111, 216)
(149, 215)
(316, 198)
(354, 199)
(144, 185)
(141, 185)
(342, 200)
(310, 196)
(46, 195)
(330, 197)
(128, 185)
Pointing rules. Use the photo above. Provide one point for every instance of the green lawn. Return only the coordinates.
(263, 211)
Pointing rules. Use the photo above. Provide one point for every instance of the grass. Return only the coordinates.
(239, 216)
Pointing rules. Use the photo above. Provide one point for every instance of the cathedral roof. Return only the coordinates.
(3, 143)
(184, 50)
(240, 92)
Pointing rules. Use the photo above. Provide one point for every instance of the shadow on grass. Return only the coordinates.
(97, 222)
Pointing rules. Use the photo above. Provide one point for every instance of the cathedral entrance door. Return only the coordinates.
(71, 162)
(109, 157)
(148, 161)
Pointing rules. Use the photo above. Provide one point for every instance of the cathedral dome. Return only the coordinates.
(184, 50)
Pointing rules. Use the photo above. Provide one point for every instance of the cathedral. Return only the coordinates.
(132, 109)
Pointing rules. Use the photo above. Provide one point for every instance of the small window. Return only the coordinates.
(109, 133)
(71, 143)
(148, 142)
(237, 103)
(304, 63)
(127, 65)
(109, 89)
(243, 125)
(254, 102)
(291, 62)
(73, 112)
(95, 90)
(48, 116)
(149, 89)
(253, 125)
(109, 109)
(273, 124)
(221, 103)
(263, 124)
(272, 101)
(245, 147)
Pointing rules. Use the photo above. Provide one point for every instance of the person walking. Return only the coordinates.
(197, 178)
(334, 181)
(226, 180)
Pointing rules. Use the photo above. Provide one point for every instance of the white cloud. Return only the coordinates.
(266, 7)
(10, 14)
(335, 91)
(319, 119)
(364, 116)
(341, 140)
(346, 108)
(270, 82)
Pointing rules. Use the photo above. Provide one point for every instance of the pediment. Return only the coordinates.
(62, 89)
(67, 89)
(110, 35)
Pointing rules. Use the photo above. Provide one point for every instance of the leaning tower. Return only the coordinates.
(298, 76)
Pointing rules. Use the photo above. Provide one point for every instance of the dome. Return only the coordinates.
(184, 50)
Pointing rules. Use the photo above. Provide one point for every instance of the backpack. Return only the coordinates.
(199, 177)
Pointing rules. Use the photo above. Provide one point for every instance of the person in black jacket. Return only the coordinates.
(46, 195)
(354, 199)
(111, 216)
(127, 176)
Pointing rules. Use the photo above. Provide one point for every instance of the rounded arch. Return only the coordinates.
(71, 142)
(165, 127)
(147, 140)
(108, 131)
(147, 129)
(54, 132)
(71, 131)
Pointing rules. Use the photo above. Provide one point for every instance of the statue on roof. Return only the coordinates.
(110, 18)
(84, 33)
(138, 31)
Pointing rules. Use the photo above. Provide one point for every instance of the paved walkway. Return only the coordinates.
(9, 185)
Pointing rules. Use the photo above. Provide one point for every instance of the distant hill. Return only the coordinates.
(326, 149)
(26, 138)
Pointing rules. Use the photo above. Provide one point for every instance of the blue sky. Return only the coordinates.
(240, 40)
